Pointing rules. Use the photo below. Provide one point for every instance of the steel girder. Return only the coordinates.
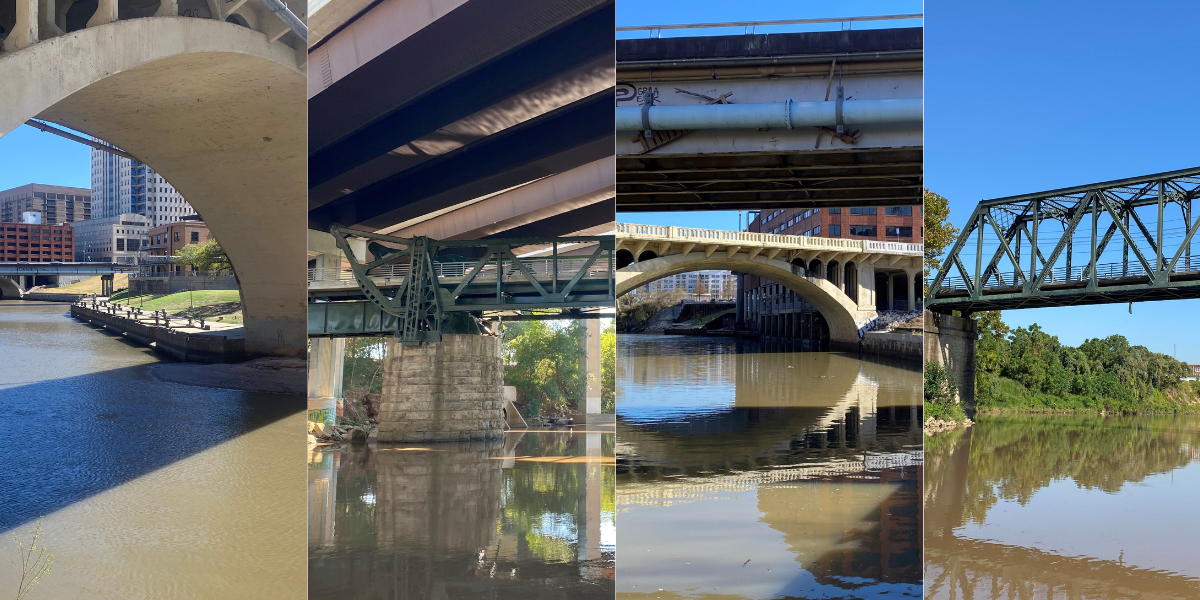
(413, 283)
(1021, 251)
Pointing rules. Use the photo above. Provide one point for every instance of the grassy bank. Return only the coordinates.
(91, 285)
(1001, 395)
(208, 304)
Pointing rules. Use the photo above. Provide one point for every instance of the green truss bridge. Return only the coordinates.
(1113, 242)
(411, 287)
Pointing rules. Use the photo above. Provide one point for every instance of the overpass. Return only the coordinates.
(505, 132)
(842, 278)
(756, 121)
(1127, 240)
(13, 282)
(211, 95)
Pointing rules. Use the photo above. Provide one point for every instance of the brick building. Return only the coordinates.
(25, 242)
(167, 240)
(882, 223)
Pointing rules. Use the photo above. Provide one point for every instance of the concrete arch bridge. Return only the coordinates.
(848, 281)
(209, 94)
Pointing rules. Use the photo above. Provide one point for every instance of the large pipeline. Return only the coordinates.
(777, 114)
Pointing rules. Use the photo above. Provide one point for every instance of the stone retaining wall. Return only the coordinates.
(182, 346)
(895, 345)
(49, 297)
(450, 390)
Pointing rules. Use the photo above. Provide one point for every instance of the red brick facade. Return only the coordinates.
(24, 242)
(883, 223)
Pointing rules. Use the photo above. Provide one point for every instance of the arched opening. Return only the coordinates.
(900, 299)
(833, 273)
(851, 282)
(624, 258)
(9, 289)
(647, 255)
(919, 289)
(237, 20)
(814, 268)
(882, 284)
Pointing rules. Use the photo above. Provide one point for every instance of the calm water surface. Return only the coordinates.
(145, 489)
(748, 472)
(1064, 507)
(529, 516)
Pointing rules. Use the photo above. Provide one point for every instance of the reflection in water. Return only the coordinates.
(747, 473)
(148, 489)
(527, 517)
(1064, 507)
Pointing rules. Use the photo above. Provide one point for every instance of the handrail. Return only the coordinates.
(724, 237)
(752, 24)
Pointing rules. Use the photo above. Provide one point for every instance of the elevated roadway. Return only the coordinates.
(755, 121)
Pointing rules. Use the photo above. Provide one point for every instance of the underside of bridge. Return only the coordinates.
(215, 107)
(719, 166)
(505, 133)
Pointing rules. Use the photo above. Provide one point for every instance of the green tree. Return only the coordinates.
(541, 360)
(608, 368)
(204, 259)
(939, 232)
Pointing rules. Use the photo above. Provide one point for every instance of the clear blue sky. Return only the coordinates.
(31, 156)
(1032, 96)
(669, 12)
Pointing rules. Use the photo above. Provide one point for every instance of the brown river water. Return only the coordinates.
(1050, 507)
(749, 471)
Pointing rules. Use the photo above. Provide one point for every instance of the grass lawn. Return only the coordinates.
(208, 304)
(91, 285)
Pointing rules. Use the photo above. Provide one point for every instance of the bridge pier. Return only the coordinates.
(950, 342)
(589, 367)
(327, 357)
(450, 390)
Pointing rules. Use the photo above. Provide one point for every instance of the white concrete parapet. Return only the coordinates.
(662, 233)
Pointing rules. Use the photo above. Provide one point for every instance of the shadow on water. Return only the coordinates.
(1030, 507)
(530, 516)
(109, 422)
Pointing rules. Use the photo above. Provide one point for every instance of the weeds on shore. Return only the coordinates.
(35, 560)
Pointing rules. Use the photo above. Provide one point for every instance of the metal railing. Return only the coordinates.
(664, 233)
(540, 268)
(751, 26)
(1113, 271)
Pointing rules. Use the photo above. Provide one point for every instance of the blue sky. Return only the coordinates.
(1039, 95)
(31, 156)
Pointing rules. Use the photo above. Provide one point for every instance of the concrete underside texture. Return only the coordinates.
(839, 311)
(450, 390)
(9, 289)
(950, 342)
(215, 108)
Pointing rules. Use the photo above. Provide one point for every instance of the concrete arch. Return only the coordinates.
(839, 311)
(9, 290)
(216, 108)
(647, 255)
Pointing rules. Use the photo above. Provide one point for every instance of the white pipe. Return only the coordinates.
(777, 114)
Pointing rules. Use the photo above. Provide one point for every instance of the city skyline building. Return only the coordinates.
(124, 186)
(55, 203)
(26, 242)
(119, 239)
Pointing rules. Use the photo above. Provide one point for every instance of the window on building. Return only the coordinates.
(807, 214)
(898, 232)
(863, 210)
(177, 236)
(817, 230)
(120, 244)
(863, 230)
(835, 211)
(899, 211)
(791, 222)
(195, 237)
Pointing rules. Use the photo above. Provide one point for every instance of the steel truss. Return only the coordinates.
(413, 284)
(1155, 262)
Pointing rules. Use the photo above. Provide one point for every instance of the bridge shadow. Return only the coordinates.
(72, 438)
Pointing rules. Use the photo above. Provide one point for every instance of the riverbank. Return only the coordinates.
(194, 342)
(267, 375)
(1006, 396)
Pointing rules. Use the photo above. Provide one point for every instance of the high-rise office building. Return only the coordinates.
(56, 203)
(124, 186)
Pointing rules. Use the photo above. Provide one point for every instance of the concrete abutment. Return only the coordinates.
(950, 342)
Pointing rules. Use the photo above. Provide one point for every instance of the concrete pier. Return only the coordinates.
(950, 342)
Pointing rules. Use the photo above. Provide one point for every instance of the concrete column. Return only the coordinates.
(322, 497)
(450, 390)
(25, 31)
(47, 27)
(326, 359)
(740, 320)
(912, 290)
(950, 342)
(106, 12)
(167, 8)
(589, 366)
(891, 302)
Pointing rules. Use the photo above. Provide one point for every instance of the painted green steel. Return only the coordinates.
(1156, 274)
(419, 303)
